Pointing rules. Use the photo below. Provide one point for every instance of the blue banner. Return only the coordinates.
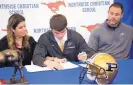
(128, 16)
(128, 11)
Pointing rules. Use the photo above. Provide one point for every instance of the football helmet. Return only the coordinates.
(101, 68)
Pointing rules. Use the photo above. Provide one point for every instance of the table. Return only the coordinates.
(70, 76)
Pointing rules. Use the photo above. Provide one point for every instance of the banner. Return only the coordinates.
(82, 15)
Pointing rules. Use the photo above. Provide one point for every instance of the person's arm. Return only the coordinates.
(93, 41)
(40, 55)
(83, 47)
(40, 51)
(3, 43)
(3, 46)
(32, 44)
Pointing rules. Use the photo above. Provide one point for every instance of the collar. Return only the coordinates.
(109, 27)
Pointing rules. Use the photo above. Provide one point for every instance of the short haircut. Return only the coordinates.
(58, 22)
(117, 4)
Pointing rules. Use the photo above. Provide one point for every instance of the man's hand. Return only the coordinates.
(82, 56)
(58, 60)
(63, 60)
(53, 65)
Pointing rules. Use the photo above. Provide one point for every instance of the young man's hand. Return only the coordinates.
(82, 56)
(63, 60)
(58, 60)
(53, 65)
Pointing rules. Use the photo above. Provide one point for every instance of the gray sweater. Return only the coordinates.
(116, 42)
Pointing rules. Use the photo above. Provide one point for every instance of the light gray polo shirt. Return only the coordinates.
(116, 42)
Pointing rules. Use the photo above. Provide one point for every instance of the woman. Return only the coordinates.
(17, 39)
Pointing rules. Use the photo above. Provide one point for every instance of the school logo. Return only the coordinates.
(90, 27)
(54, 6)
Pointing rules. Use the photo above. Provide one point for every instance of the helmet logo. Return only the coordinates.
(111, 66)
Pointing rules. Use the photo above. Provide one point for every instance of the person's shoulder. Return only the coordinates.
(72, 32)
(127, 26)
(3, 39)
(31, 39)
(98, 28)
(3, 43)
(45, 35)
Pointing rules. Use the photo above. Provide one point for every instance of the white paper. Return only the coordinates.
(69, 65)
(35, 68)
